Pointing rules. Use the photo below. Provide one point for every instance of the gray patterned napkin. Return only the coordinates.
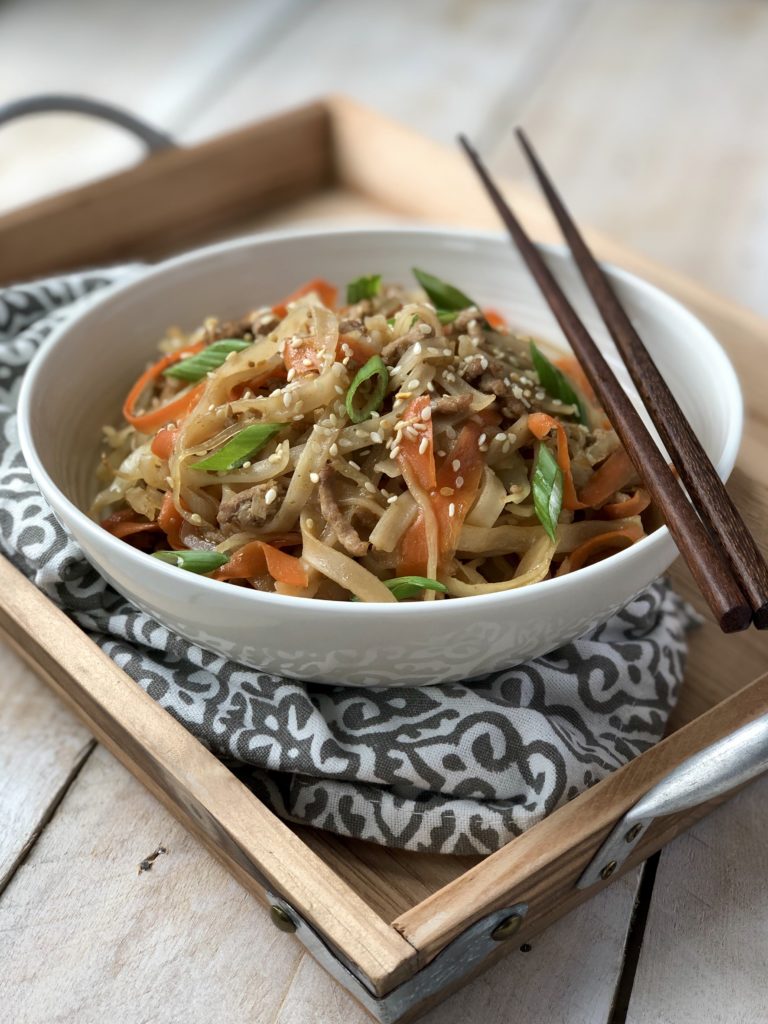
(451, 769)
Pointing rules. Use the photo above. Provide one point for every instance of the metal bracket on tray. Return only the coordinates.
(713, 772)
(458, 959)
(49, 103)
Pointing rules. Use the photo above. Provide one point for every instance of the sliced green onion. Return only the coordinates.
(210, 358)
(363, 288)
(442, 295)
(409, 586)
(241, 448)
(547, 488)
(374, 368)
(447, 316)
(201, 562)
(446, 298)
(556, 383)
(405, 587)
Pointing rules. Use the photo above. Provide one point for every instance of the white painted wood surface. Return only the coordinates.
(650, 113)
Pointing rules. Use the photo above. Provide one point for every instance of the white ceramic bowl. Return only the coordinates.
(78, 381)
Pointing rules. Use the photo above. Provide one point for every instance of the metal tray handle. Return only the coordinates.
(713, 772)
(48, 103)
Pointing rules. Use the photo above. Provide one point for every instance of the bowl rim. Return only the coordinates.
(138, 561)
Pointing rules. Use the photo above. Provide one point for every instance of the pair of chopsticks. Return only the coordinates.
(722, 555)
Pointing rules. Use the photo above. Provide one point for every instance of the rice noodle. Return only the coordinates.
(471, 522)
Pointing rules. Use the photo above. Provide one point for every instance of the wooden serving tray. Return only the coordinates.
(398, 929)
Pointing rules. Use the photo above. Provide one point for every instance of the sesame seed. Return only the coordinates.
(333, 451)
(274, 457)
(376, 437)
(287, 399)
(339, 389)
(451, 510)
(196, 519)
(481, 440)
(417, 348)
(270, 496)
(392, 500)
(446, 491)
(423, 445)
(315, 478)
(403, 395)
(247, 465)
(310, 524)
(456, 465)
(512, 437)
(297, 417)
(369, 487)
(291, 374)
(354, 465)
(211, 407)
(426, 413)
(501, 436)
(413, 384)
(505, 447)
(441, 453)
(395, 451)
(459, 481)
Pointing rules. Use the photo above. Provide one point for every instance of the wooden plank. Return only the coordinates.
(168, 202)
(542, 866)
(439, 66)
(42, 747)
(256, 846)
(85, 937)
(163, 73)
(569, 975)
(645, 120)
(706, 938)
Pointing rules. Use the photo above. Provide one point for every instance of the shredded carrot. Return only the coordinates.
(412, 550)
(361, 350)
(603, 544)
(153, 419)
(452, 509)
(163, 442)
(170, 522)
(614, 474)
(495, 319)
(414, 462)
(633, 506)
(540, 424)
(326, 291)
(126, 522)
(256, 558)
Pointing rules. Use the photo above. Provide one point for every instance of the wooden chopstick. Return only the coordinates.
(703, 555)
(691, 461)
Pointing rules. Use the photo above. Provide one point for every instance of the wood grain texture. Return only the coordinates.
(173, 200)
(563, 979)
(646, 119)
(85, 937)
(541, 866)
(257, 847)
(162, 61)
(705, 948)
(42, 747)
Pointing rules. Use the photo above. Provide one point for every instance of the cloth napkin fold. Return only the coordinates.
(456, 768)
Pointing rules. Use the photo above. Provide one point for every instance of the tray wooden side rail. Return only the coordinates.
(400, 929)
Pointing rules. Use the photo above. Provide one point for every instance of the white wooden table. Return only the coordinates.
(652, 115)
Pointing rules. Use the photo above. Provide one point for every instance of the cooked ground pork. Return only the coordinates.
(448, 405)
(345, 532)
(250, 508)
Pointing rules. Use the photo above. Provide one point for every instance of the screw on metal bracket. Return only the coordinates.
(509, 926)
(608, 870)
(633, 833)
(281, 919)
